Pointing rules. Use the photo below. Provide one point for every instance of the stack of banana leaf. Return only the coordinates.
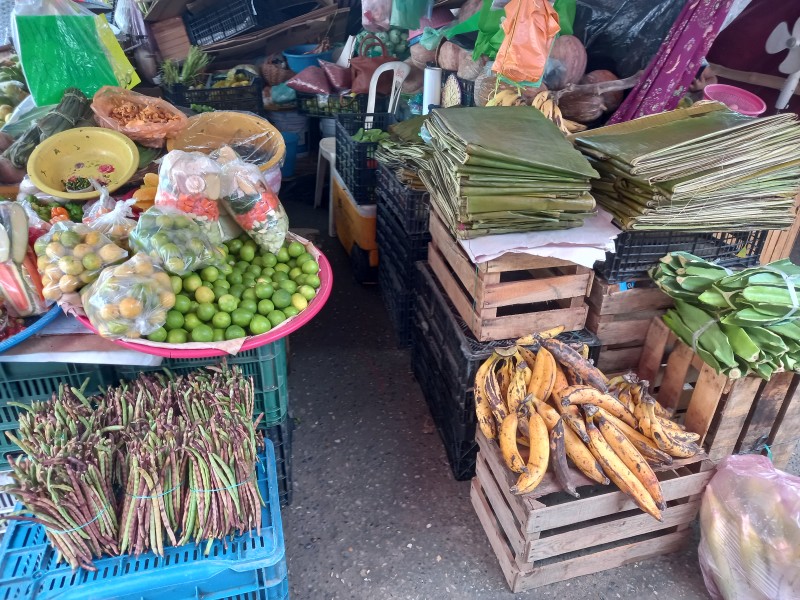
(505, 170)
(739, 323)
(405, 153)
(704, 168)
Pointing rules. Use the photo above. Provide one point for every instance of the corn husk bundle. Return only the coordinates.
(704, 168)
(739, 323)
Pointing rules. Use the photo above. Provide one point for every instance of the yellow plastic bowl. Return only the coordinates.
(91, 152)
(244, 132)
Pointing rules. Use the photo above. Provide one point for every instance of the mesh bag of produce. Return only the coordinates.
(71, 255)
(175, 240)
(129, 300)
(251, 202)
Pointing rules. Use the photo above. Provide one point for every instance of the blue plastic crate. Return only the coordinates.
(247, 567)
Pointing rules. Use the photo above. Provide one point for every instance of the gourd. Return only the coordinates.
(612, 99)
(583, 108)
(566, 64)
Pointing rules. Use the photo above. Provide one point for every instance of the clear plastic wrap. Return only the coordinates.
(71, 255)
(112, 218)
(130, 300)
(192, 183)
(375, 14)
(175, 240)
(251, 202)
(21, 287)
(37, 226)
(750, 526)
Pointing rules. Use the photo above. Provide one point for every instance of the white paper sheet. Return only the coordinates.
(583, 245)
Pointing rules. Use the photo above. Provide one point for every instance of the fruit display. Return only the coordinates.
(545, 403)
(175, 239)
(72, 255)
(129, 300)
(250, 294)
(739, 323)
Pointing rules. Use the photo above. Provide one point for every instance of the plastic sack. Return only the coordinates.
(406, 14)
(21, 287)
(311, 80)
(251, 202)
(282, 94)
(63, 45)
(175, 240)
(130, 300)
(144, 119)
(530, 28)
(339, 77)
(750, 531)
(37, 226)
(112, 218)
(375, 14)
(71, 255)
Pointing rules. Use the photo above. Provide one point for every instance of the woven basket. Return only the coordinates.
(275, 73)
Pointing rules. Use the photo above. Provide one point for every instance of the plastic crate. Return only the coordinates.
(638, 251)
(266, 365)
(355, 161)
(225, 20)
(467, 87)
(398, 299)
(411, 207)
(33, 382)
(244, 98)
(281, 437)
(330, 105)
(401, 249)
(252, 565)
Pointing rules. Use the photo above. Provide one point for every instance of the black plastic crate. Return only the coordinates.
(281, 437)
(226, 20)
(245, 98)
(330, 105)
(363, 272)
(355, 161)
(638, 251)
(411, 207)
(466, 86)
(400, 249)
(398, 298)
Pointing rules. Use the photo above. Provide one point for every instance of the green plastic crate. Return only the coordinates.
(31, 382)
(266, 365)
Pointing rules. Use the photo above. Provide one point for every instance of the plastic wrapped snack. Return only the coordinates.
(192, 183)
(113, 219)
(71, 255)
(251, 202)
(129, 300)
(175, 240)
(144, 119)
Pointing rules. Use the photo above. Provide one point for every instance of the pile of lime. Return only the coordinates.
(251, 293)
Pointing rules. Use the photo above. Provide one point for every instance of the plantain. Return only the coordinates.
(572, 414)
(517, 389)
(529, 357)
(494, 396)
(584, 394)
(666, 440)
(483, 408)
(574, 362)
(505, 371)
(625, 396)
(560, 381)
(538, 459)
(558, 455)
(543, 376)
(645, 445)
(508, 444)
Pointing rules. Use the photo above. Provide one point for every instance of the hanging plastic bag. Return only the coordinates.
(251, 202)
(376, 14)
(406, 14)
(63, 45)
(530, 28)
(750, 526)
(112, 218)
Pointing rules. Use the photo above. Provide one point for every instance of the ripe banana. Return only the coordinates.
(668, 441)
(504, 97)
(625, 397)
(508, 445)
(645, 445)
(560, 381)
(584, 394)
(530, 358)
(543, 377)
(483, 408)
(517, 389)
(540, 99)
(558, 454)
(572, 361)
(505, 370)
(495, 396)
(539, 456)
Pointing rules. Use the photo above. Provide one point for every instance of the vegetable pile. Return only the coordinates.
(153, 462)
(739, 323)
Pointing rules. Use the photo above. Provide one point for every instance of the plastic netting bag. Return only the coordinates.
(144, 119)
(251, 202)
(63, 45)
(110, 217)
(71, 255)
(192, 183)
(750, 526)
(130, 300)
(175, 240)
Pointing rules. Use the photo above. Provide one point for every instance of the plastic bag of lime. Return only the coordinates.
(174, 239)
(71, 255)
(129, 300)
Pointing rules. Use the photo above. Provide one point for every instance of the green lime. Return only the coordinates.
(305, 256)
(292, 263)
(234, 332)
(269, 259)
(247, 253)
(241, 266)
(70, 238)
(288, 285)
(283, 255)
(221, 320)
(174, 320)
(268, 271)
(300, 279)
(234, 246)
(223, 283)
(249, 293)
(295, 249)
(264, 290)
(248, 305)
(295, 273)
(223, 250)
(276, 317)
(237, 290)
(290, 311)
(259, 324)
(177, 284)
(254, 270)
(219, 291)
(265, 307)
(206, 311)
(182, 304)
(202, 333)
(258, 261)
(280, 276)
(90, 262)
(281, 298)
(313, 281)
(193, 306)
(307, 292)
(159, 335)
(174, 264)
(310, 267)
(225, 269)
(299, 302)
(234, 278)
(192, 282)
(248, 280)
(241, 317)
(228, 303)
(177, 336)
(219, 334)
(164, 222)
(204, 294)
(209, 274)
(191, 321)
(282, 268)
(249, 243)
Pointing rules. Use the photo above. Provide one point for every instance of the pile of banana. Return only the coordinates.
(544, 102)
(545, 402)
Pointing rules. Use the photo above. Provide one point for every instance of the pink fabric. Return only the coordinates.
(672, 70)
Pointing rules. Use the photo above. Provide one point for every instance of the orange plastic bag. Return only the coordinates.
(530, 27)
(149, 121)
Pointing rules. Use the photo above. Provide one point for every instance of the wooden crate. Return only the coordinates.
(171, 38)
(732, 415)
(547, 536)
(780, 243)
(510, 296)
(620, 314)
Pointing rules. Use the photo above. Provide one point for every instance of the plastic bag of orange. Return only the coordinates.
(530, 28)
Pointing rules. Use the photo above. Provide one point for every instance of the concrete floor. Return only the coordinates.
(376, 513)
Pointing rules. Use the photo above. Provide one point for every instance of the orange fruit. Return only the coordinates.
(130, 308)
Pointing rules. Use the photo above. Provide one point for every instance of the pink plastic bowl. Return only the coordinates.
(735, 98)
